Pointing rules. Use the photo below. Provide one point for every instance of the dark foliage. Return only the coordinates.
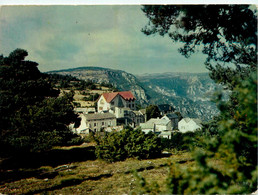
(32, 116)
(109, 85)
(55, 78)
(82, 85)
(117, 146)
(226, 34)
(152, 111)
(187, 141)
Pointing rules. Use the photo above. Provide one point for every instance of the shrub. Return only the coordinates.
(75, 141)
(127, 143)
(186, 141)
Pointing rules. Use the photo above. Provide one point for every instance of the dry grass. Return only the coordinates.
(91, 176)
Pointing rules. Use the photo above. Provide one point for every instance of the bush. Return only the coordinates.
(127, 143)
(185, 141)
(89, 138)
(75, 141)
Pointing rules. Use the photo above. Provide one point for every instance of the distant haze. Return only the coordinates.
(61, 37)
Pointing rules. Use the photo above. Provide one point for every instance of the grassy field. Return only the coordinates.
(75, 170)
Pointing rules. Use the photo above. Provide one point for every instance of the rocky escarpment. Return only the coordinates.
(120, 79)
(189, 93)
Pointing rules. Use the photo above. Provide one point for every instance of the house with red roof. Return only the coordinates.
(109, 101)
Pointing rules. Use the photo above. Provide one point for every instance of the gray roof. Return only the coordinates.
(99, 116)
(158, 121)
(147, 125)
(196, 120)
(172, 116)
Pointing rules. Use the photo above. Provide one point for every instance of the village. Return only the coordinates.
(118, 109)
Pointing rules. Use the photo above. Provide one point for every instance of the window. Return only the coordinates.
(95, 124)
(103, 123)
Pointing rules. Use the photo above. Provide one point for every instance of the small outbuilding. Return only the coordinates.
(189, 124)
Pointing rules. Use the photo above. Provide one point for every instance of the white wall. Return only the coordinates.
(102, 104)
(190, 126)
(82, 128)
(96, 125)
(119, 112)
(160, 127)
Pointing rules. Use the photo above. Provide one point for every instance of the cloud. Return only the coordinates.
(59, 37)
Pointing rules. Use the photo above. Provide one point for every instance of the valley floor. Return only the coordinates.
(75, 170)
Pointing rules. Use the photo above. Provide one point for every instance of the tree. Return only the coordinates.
(179, 115)
(227, 34)
(152, 111)
(32, 116)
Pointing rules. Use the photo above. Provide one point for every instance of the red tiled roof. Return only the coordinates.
(127, 95)
(109, 96)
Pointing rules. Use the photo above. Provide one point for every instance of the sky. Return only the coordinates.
(61, 37)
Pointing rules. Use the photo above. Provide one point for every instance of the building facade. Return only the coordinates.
(189, 124)
(156, 125)
(173, 118)
(109, 101)
(97, 122)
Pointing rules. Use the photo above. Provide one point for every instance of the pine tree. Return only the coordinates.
(228, 36)
(32, 116)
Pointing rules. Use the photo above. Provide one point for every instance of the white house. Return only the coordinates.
(156, 125)
(128, 117)
(95, 122)
(189, 124)
(108, 101)
(174, 119)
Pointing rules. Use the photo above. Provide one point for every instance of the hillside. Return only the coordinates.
(119, 79)
(85, 92)
(189, 93)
